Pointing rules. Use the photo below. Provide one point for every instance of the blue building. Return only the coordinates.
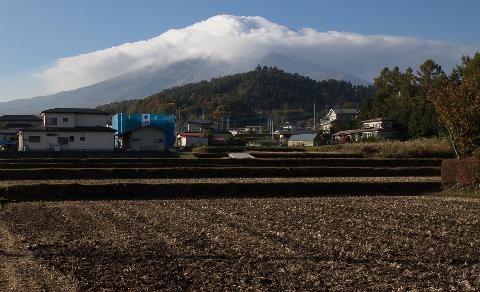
(125, 123)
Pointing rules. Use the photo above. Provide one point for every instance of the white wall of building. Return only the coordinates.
(70, 120)
(90, 120)
(147, 139)
(77, 141)
(63, 120)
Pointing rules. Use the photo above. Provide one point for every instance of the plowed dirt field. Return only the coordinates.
(362, 243)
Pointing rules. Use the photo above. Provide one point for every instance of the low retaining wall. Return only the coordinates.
(212, 172)
(134, 191)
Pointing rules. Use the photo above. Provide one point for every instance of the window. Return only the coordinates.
(51, 121)
(159, 140)
(33, 138)
(71, 138)
(65, 120)
(51, 134)
(63, 140)
(82, 138)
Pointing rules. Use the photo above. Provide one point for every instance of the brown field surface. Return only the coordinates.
(361, 243)
(221, 180)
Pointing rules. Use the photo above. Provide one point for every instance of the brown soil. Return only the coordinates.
(364, 243)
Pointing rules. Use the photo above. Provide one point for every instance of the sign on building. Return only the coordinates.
(145, 120)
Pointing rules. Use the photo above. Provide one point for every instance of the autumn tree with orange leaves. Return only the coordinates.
(457, 101)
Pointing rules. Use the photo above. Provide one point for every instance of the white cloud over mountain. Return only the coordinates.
(242, 41)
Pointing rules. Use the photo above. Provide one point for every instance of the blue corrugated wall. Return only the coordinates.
(124, 122)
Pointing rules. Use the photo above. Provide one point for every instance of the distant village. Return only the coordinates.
(83, 129)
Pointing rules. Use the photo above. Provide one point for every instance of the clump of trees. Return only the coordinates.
(402, 96)
(457, 100)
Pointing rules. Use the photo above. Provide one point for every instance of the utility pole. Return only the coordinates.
(179, 127)
(271, 127)
(314, 117)
(228, 121)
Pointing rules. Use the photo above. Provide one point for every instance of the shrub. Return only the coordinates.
(461, 172)
(419, 148)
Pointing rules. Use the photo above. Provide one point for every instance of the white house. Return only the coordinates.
(382, 128)
(338, 116)
(378, 123)
(69, 129)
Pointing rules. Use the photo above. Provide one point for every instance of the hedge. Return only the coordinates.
(213, 172)
(133, 191)
(461, 172)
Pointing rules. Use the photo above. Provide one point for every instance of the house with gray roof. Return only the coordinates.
(305, 140)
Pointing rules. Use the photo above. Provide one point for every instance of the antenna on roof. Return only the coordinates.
(314, 116)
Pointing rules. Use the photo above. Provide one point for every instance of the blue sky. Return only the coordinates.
(34, 33)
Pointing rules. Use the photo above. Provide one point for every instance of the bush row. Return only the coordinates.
(133, 191)
(155, 163)
(461, 172)
(213, 172)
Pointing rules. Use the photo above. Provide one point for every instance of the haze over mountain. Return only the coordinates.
(219, 46)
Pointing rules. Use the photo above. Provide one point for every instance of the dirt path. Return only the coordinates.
(19, 271)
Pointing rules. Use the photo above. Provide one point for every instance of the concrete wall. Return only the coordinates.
(147, 139)
(93, 141)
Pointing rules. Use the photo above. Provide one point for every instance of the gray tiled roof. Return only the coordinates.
(64, 110)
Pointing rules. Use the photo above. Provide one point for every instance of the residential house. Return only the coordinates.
(381, 128)
(304, 140)
(220, 137)
(283, 135)
(69, 129)
(202, 125)
(253, 129)
(338, 118)
(185, 139)
(10, 126)
(19, 121)
(128, 127)
(148, 138)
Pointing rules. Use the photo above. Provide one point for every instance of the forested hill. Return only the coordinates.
(250, 97)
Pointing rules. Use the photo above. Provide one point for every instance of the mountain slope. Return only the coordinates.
(249, 97)
(151, 79)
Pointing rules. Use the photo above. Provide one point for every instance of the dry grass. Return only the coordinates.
(420, 148)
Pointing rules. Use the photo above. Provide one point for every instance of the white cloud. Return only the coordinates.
(232, 38)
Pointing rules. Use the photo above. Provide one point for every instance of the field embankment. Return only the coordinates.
(135, 178)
